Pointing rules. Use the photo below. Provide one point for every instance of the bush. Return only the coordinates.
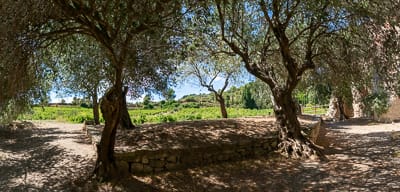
(80, 118)
(166, 118)
(193, 117)
(376, 103)
(84, 105)
(148, 106)
(191, 105)
(139, 120)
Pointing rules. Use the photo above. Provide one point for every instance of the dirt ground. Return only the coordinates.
(52, 156)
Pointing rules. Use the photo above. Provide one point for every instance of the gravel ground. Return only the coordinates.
(56, 156)
(46, 156)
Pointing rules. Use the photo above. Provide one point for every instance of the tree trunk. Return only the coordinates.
(126, 121)
(292, 143)
(222, 106)
(96, 115)
(110, 108)
(342, 113)
(358, 105)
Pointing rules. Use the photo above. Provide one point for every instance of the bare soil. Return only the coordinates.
(52, 156)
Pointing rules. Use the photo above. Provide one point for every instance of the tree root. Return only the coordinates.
(301, 148)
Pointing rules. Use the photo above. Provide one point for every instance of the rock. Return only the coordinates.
(171, 159)
(157, 163)
(157, 170)
(136, 167)
(122, 165)
(171, 166)
(145, 160)
(147, 169)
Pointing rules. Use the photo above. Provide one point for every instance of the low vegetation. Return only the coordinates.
(77, 114)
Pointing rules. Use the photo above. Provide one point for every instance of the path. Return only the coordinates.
(51, 156)
(55, 157)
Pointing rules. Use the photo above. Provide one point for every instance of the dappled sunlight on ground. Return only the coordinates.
(357, 162)
(39, 159)
(362, 157)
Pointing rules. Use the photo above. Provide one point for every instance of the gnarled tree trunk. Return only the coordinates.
(292, 142)
(110, 108)
(126, 121)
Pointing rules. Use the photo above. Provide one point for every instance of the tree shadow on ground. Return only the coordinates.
(357, 162)
(30, 163)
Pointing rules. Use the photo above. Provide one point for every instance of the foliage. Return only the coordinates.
(147, 102)
(24, 79)
(377, 103)
(139, 116)
(248, 101)
(60, 113)
(169, 94)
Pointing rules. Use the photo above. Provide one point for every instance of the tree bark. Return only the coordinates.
(358, 105)
(126, 121)
(342, 113)
(292, 143)
(110, 108)
(96, 115)
(222, 106)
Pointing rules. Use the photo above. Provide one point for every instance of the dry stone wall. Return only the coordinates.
(145, 162)
(154, 160)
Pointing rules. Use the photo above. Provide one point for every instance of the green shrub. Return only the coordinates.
(191, 105)
(139, 120)
(376, 103)
(166, 118)
(80, 118)
(85, 105)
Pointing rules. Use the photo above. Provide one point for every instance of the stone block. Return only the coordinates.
(171, 159)
(157, 170)
(123, 165)
(171, 166)
(160, 155)
(147, 169)
(136, 167)
(157, 163)
(137, 159)
(145, 160)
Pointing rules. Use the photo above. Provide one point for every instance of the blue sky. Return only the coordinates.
(182, 89)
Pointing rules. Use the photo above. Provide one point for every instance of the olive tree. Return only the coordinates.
(278, 41)
(136, 37)
(81, 68)
(208, 61)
